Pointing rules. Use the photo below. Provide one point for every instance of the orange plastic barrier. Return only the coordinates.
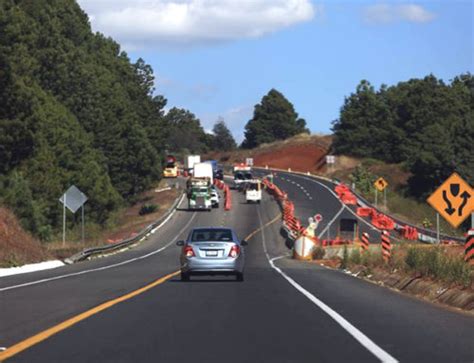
(410, 233)
(365, 212)
(228, 198)
(345, 194)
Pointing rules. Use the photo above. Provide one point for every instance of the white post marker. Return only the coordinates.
(437, 228)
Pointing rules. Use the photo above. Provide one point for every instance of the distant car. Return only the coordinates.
(214, 197)
(239, 178)
(219, 174)
(212, 251)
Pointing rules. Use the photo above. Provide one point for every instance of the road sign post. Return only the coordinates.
(380, 185)
(73, 199)
(453, 200)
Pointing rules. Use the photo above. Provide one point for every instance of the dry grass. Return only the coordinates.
(127, 222)
(438, 263)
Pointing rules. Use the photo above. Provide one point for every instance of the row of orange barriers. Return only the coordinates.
(227, 194)
(379, 220)
(290, 222)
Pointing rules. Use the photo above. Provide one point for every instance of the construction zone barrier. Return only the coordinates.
(306, 242)
(345, 195)
(410, 233)
(291, 224)
(364, 241)
(219, 183)
(379, 220)
(228, 198)
(469, 247)
(386, 245)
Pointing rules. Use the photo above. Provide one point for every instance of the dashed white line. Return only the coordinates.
(363, 339)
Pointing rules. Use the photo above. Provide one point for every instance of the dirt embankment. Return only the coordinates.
(16, 246)
(300, 153)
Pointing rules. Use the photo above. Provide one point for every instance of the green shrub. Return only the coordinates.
(345, 258)
(355, 257)
(148, 208)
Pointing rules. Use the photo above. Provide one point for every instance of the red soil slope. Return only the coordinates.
(300, 153)
(304, 157)
(16, 246)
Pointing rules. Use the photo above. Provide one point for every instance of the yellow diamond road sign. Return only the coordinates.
(380, 184)
(454, 200)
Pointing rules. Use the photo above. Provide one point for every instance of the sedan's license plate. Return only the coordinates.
(211, 253)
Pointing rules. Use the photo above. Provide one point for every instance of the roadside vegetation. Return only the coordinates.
(74, 109)
(424, 125)
(437, 263)
(399, 201)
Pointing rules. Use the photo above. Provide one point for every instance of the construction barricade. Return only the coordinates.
(364, 241)
(228, 198)
(469, 247)
(345, 194)
(386, 245)
(410, 233)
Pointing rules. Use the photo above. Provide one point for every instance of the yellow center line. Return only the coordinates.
(262, 227)
(35, 339)
(45, 334)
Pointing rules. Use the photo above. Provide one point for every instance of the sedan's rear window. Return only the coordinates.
(211, 235)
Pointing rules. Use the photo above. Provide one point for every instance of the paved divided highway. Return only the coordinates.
(284, 311)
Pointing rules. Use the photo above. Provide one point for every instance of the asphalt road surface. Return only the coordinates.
(284, 311)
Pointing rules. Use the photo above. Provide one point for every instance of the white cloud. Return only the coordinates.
(391, 13)
(145, 23)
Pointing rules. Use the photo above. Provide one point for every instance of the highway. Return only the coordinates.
(284, 311)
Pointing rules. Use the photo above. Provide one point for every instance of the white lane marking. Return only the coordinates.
(363, 339)
(99, 268)
(343, 205)
(331, 222)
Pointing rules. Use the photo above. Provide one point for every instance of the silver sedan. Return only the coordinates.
(212, 251)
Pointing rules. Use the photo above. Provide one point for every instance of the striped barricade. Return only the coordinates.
(469, 248)
(386, 245)
(364, 240)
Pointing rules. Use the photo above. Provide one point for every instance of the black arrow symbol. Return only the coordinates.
(465, 196)
(450, 210)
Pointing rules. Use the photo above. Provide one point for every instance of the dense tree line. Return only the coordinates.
(274, 118)
(424, 123)
(75, 110)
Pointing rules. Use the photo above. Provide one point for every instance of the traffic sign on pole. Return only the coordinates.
(380, 184)
(453, 200)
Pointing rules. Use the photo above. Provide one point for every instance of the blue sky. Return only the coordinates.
(220, 57)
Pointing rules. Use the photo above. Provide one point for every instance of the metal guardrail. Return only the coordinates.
(126, 242)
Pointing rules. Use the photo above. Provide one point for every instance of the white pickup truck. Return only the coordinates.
(253, 191)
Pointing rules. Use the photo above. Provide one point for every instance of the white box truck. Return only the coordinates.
(190, 161)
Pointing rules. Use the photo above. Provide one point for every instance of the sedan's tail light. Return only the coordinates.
(234, 251)
(189, 252)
